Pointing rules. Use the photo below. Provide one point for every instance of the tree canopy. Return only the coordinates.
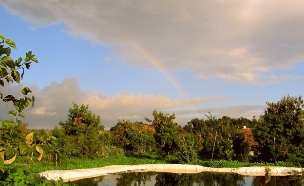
(166, 131)
(280, 132)
(82, 128)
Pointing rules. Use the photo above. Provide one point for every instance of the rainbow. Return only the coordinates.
(156, 62)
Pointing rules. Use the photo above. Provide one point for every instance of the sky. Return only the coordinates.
(126, 58)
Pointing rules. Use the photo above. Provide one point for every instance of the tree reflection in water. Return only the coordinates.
(134, 179)
(278, 181)
(200, 179)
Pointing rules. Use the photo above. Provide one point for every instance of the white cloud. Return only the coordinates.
(53, 102)
(230, 39)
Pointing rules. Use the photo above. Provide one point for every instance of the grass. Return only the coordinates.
(82, 163)
(237, 164)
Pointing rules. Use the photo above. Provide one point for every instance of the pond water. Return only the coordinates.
(200, 179)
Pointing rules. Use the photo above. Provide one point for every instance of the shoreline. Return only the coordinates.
(77, 174)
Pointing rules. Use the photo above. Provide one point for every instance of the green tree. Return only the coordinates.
(215, 135)
(188, 149)
(197, 128)
(227, 132)
(82, 128)
(133, 136)
(123, 135)
(241, 146)
(12, 71)
(280, 132)
(166, 131)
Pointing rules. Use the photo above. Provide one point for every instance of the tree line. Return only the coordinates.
(277, 135)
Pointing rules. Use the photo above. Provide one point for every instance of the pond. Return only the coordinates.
(199, 179)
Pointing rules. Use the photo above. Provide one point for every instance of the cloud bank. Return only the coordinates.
(228, 39)
(53, 102)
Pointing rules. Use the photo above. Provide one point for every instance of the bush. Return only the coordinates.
(17, 176)
(188, 148)
(108, 151)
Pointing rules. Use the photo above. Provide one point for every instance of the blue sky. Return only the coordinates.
(126, 59)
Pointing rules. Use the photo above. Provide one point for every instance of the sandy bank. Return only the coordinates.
(72, 175)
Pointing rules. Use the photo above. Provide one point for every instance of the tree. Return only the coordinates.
(241, 145)
(166, 131)
(82, 128)
(188, 149)
(133, 136)
(227, 132)
(280, 132)
(12, 71)
(216, 136)
(123, 135)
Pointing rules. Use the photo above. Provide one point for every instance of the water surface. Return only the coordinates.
(199, 179)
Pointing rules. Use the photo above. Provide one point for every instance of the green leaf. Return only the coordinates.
(34, 59)
(26, 90)
(20, 104)
(23, 148)
(33, 101)
(10, 43)
(30, 57)
(9, 79)
(16, 76)
(21, 114)
(12, 112)
(1, 82)
(6, 51)
(7, 60)
(3, 72)
(2, 36)
(18, 62)
(27, 101)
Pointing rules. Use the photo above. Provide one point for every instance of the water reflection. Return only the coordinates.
(201, 179)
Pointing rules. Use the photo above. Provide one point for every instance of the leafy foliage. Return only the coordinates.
(11, 136)
(166, 131)
(133, 136)
(17, 176)
(215, 135)
(12, 71)
(82, 128)
(241, 146)
(280, 132)
(188, 149)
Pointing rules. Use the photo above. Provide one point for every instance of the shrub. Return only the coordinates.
(17, 176)
(108, 151)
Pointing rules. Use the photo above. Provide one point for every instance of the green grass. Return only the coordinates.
(82, 163)
(237, 164)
